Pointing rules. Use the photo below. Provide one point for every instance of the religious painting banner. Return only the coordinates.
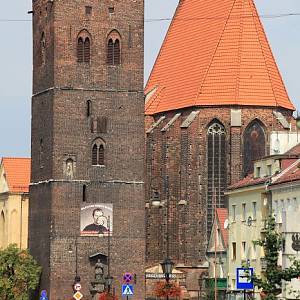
(96, 219)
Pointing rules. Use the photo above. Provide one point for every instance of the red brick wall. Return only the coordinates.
(61, 89)
(186, 169)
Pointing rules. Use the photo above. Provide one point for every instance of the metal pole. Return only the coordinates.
(244, 294)
(76, 258)
(168, 212)
(108, 252)
(216, 230)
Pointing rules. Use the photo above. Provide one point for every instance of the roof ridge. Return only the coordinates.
(286, 170)
(214, 53)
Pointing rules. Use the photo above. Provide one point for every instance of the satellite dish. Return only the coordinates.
(226, 224)
(249, 221)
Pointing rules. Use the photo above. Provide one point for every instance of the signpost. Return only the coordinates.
(244, 279)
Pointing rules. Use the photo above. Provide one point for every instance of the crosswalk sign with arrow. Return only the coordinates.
(127, 290)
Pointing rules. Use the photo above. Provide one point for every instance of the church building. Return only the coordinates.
(213, 98)
(87, 213)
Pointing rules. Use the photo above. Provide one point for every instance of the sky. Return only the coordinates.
(16, 59)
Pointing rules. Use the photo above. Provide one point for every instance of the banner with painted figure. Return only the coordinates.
(96, 219)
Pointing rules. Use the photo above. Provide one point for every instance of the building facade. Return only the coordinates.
(271, 189)
(87, 183)
(14, 201)
(213, 99)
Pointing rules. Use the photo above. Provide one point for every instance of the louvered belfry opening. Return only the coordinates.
(254, 145)
(116, 52)
(94, 155)
(110, 50)
(216, 170)
(80, 50)
(101, 155)
(87, 50)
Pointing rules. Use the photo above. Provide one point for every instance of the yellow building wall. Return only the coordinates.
(243, 233)
(13, 219)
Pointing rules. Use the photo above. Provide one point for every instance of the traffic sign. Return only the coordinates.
(127, 290)
(77, 295)
(127, 277)
(244, 278)
(44, 295)
(77, 286)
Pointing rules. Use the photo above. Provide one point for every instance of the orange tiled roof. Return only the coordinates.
(222, 214)
(17, 171)
(215, 53)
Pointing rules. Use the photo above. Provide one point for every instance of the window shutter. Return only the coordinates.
(101, 155)
(80, 50)
(94, 155)
(116, 52)
(87, 50)
(110, 49)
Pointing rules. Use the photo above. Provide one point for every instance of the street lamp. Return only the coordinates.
(167, 266)
(70, 250)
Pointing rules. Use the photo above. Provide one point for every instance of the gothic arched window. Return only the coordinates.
(114, 48)
(216, 169)
(83, 47)
(98, 150)
(254, 145)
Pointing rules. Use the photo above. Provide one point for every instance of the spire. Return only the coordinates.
(215, 53)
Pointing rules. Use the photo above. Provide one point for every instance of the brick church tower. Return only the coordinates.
(213, 97)
(87, 190)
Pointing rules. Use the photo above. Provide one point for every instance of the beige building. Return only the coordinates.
(14, 200)
(251, 201)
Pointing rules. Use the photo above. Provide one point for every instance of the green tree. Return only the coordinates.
(271, 281)
(19, 273)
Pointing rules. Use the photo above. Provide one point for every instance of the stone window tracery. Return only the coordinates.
(83, 47)
(98, 153)
(216, 169)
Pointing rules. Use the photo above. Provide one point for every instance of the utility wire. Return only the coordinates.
(271, 16)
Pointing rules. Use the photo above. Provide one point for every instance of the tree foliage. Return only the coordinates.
(19, 273)
(271, 281)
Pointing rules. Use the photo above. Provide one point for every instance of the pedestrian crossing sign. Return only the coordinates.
(127, 290)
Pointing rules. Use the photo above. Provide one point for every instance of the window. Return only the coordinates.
(114, 48)
(254, 210)
(98, 149)
(254, 251)
(233, 256)
(233, 213)
(88, 10)
(258, 172)
(84, 193)
(216, 169)
(243, 256)
(288, 206)
(88, 108)
(254, 145)
(83, 47)
(269, 170)
(276, 207)
(244, 212)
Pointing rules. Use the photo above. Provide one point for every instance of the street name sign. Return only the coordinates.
(127, 290)
(243, 278)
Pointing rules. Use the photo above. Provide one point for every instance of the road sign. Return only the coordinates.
(44, 295)
(127, 277)
(77, 286)
(77, 295)
(127, 290)
(244, 278)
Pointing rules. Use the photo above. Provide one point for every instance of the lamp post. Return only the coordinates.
(77, 277)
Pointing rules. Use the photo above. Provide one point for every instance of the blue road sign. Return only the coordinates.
(44, 295)
(127, 290)
(244, 278)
